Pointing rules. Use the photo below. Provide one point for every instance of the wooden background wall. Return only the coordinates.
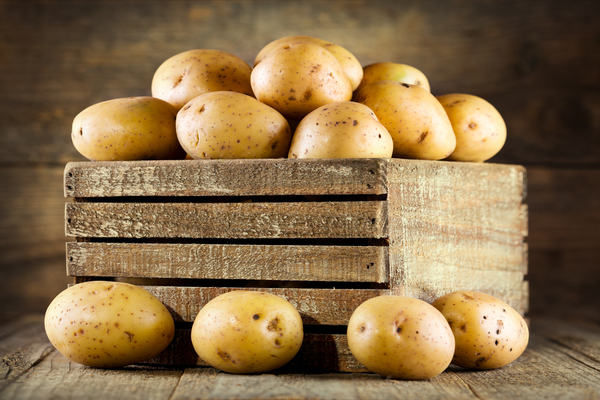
(538, 62)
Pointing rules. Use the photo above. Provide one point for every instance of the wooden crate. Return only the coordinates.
(324, 234)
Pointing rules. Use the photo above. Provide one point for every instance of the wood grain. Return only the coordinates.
(452, 226)
(95, 51)
(316, 306)
(225, 178)
(561, 361)
(227, 220)
(32, 241)
(457, 226)
(22, 345)
(216, 261)
(64, 379)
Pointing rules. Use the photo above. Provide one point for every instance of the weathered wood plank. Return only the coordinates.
(207, 383)
(22, 345)
(457, 227)
(227, 220)
(229, 261)
(561, 361)
(57, 377)
(544, 370)
(316, 306)
(270, 177)
(524, 47)
(564, 213)
(31, 238)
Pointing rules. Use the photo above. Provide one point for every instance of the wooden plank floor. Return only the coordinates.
(562, 361)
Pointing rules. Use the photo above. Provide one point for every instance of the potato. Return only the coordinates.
(351, 66)
(400, 337)
(341, 130)
(390, 71)
(232, 125)
(108, 324)
(416, 120)
(488, 332)
(298, 78)
(479, 128)
(192, 73)
(247, 332)
(133, 128)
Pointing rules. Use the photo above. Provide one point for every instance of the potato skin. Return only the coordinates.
(191, 73)
(133, 128)
(479, 128)
(350, 64)
(247, 332)
(488, 332)
(298, 78)
(108, 324)
(341, 130)
(416, 120)
(400, 337)
(390, 71)
(232, 125)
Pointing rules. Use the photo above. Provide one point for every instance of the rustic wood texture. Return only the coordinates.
(512, 53)
(229, 261)
(227, 220)
(451, 226)
(32, 242)
(561, 362)
(234, 178)
(316, 306)
(537, 62)
(455, 226)
(564, 241)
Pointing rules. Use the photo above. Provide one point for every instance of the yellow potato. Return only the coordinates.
(400, 337)
(298, 78)
(108, 324)
(390, 71)
(232, 125)
(247, 332)
(133, 128)
(192, 73)
(341, 130)
(488, 332)
(416, 120)
(348, 61)
(479, 128)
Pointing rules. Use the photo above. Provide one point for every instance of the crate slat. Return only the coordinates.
(353, 219)
(229, 261)
(316, 306)
(268, 177)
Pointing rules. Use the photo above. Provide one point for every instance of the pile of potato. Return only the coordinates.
(303, 98)
(113, 324)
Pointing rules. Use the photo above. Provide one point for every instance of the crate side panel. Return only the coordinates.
(457, 226)
(265, 177)
(319, 352)
(356, 219)
(229, 261)
(316, 306)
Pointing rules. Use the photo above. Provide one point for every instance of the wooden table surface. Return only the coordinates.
(562, 361)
